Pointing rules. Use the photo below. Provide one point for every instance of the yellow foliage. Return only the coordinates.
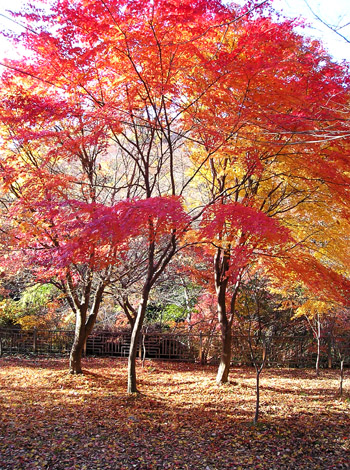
(311, 308)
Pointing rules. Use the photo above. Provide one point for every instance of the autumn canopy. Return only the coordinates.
(138, 134)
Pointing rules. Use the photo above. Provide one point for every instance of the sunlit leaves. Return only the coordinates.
(121, 107)
(234, 219)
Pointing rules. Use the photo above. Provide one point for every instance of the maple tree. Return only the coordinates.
(51, 209)
(106, 98)
(284, 167)
(136, 97)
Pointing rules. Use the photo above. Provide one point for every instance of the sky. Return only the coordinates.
(333, 12)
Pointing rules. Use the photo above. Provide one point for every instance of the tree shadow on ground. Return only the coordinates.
(88, 422)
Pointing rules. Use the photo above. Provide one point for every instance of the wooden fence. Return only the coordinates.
(293, 351)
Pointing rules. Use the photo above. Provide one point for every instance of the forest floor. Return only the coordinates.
(51, 420)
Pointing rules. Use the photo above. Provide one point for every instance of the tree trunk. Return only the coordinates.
(257, 403)
(225, 359)
(154, 271)
(318, 358)
(258, 372)
(132, 386)
(341, 376)
(329, 353)
(318, 347)
(226, 334)
(78, 346)
(82, 330)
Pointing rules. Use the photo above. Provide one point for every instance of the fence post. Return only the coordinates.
(201, 348)
(35, 340)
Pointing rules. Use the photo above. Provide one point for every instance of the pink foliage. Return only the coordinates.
(233, 219)
(57, 233)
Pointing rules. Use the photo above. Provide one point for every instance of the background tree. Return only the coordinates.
(255, 320)
(37, 307)
(53, 177)
(313, 311)
(273, 174)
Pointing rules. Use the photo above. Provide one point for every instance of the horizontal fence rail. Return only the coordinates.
(291, 351)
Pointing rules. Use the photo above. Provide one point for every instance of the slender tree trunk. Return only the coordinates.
(329, 353)
(132, 387)
(258, 372)
(225, 358)
(226, 336)
(318, 347)
(154, 271)
(226, 331)
(318, 358)
(257, 403)
(144, 333)
(341, 376)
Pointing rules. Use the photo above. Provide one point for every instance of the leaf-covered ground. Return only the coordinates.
(180, 420)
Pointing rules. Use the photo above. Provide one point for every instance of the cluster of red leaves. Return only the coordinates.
(234, 217)
(58, 233)
(244, 231)
(181, 419)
